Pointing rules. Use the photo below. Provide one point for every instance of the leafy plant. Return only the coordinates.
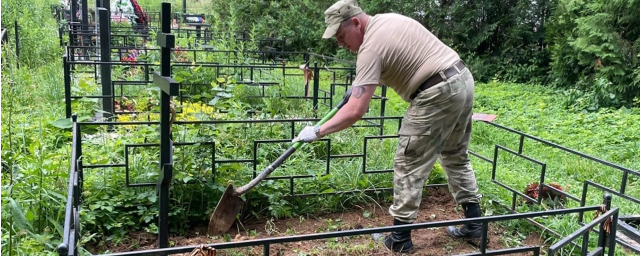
(595, 47)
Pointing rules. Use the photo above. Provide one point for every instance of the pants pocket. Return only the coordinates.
(409, 128)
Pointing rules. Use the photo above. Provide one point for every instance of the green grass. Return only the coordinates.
(611, 135)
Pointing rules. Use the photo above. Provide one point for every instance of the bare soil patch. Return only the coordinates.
(437, 205)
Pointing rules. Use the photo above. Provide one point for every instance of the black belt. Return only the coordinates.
(436, 79)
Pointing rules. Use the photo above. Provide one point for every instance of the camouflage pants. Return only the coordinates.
(437, 124)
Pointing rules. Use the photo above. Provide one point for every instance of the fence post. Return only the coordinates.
(105, 67)
(610, 235)
(383, 103)
(79, 165)
(74, 24)
(602, 235)
(16, 32)
(85, 25)
(307, 56)
(169, 87)
(60, 28)
(106, 4)
(96, 26)
(316, 87)
(67, 86)
(77, 177)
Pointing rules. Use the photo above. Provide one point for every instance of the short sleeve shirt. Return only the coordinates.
(399, 52)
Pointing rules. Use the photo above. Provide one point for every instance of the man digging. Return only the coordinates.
(399, 52)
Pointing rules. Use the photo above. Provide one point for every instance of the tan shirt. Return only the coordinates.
(399, 52)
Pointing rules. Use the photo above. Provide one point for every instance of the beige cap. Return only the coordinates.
(337, 13)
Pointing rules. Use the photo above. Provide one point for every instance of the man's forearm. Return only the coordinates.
(351, 112)
(343, 119)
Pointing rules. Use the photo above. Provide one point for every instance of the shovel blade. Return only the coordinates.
(225, 213)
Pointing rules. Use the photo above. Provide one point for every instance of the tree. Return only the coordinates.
(595, 47)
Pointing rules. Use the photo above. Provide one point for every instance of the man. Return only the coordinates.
(399, 52)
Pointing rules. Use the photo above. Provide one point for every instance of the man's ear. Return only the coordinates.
(356, 21)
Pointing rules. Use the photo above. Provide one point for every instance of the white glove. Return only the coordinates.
(308, 134)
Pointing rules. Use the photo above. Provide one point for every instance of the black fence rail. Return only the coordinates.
(606, 214)
(81, 23)
(134, 36)
(606, 220)
(264, 76)
(632, 238)
(606, 232)
(82, 28)
(71, 230)
(197, 33)
(605, 245)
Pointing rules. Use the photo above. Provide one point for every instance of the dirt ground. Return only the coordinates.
(437, 205)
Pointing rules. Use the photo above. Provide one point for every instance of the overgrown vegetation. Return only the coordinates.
(35, 152)
(591, 47)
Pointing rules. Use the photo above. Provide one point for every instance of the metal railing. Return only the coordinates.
(71, 228)
(629, 242)
(606, 214)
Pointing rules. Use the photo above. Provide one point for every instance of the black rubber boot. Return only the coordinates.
(398, 241)
(468, 231)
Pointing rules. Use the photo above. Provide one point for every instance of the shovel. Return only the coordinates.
(230, 203)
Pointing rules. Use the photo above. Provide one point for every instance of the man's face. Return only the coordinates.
(349, 34)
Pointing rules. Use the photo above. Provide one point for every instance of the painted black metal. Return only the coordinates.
(16, 34)
(166, 40)
(292, 193)
(316, 87)
(201, 32)
(383, 104)
(603, 236)
(105, 68)
(129, 149)
(71, 228)
(67, 85)
(519, 154)
(95, 166)
(167, 84)
(554, 145)
(481, 157)
(85, 16)
(364, 150)
(148, 67)
(74, 19)
(630, 236)
(344, 233)
(586, 183)
(166, 144)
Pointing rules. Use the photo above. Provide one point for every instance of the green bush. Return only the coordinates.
(595, 49)
(590, 46)
(37, 46)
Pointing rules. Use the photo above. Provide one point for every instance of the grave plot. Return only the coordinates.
(176, 126)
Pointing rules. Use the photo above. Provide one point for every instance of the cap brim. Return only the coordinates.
(330, 31)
